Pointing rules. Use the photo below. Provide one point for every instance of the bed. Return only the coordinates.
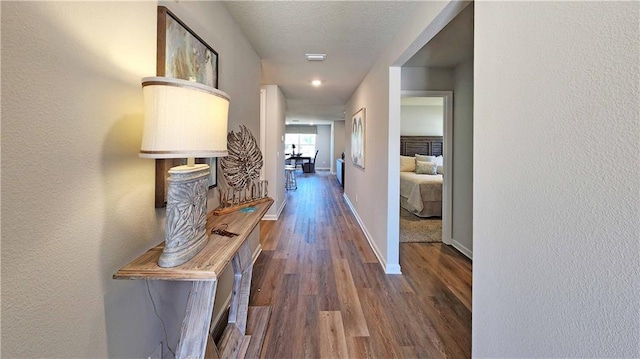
(420, 194)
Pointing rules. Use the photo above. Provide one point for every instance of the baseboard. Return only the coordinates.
(462, 249)
(323, 168)
(274, 217)
(388, 269)
(256, 254)
(227, 301)
(393, 269)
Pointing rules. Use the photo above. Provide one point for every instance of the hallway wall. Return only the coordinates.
(323, 144)
(339, 137)
(556, 180)
(462, 224)
(365, 189)
(273, 156)
(77, 201)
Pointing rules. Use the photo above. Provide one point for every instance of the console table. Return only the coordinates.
(203, 271)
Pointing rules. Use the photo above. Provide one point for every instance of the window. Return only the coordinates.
(305, 144)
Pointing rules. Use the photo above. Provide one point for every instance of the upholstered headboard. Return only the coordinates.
(423, 145)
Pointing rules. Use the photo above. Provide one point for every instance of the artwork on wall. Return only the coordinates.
(358, 137)
(213, 169)
(182, 54)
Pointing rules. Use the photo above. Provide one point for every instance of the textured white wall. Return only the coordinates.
(363, 187)
(338, 142)
(76, 198)
(323, 144)
(462, 216)
(421, 120)
(556, 180)
(274, 151)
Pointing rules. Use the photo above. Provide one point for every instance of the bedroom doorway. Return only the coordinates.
(426, 129)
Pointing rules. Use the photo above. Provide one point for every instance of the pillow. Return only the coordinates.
(440, 170)
(407, 164)
(425, 158)
(440, 161)
(426, 168)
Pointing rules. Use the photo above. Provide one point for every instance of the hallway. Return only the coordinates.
(330, 297)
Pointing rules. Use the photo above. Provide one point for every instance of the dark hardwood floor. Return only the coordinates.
(331, 299)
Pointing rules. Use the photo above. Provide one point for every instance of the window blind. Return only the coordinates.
(301, 129)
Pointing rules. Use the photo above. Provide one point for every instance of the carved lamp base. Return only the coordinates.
(186, 214)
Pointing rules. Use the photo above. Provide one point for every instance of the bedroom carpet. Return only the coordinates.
(417, 229)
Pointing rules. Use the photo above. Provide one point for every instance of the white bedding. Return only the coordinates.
(421, 194)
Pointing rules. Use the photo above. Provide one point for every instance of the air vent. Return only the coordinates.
(316, 57)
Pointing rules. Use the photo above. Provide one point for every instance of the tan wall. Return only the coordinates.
(276, 107)
(366, 188)
(76, 198)
(556, 180)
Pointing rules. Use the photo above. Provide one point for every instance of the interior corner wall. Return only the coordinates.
(460, 80)
(338, 142)
(427, 79)
(556, 180)
(462, 191)
(77, 201)
(276, 108)
(364, 188)
(323, 145)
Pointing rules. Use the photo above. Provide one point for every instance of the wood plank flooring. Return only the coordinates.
(331, 299)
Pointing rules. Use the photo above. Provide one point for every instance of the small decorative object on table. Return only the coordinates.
(241, 169)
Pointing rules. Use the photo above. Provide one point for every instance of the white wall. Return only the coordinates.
(276, 107)
(556, 180)
(77, 199)
(462, 206)
(338, 142)
(365, 188)
(323, 144)
(421, 120)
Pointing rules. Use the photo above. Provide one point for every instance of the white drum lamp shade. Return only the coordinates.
(183, 119)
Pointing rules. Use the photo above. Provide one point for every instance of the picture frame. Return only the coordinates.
(182, 54)
(213, 166)
(358, 137)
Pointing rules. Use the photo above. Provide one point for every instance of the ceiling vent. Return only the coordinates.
(316, 57)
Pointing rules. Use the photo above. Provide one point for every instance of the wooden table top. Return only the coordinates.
(210, 261)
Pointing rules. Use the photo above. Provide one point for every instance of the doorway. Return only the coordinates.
(424, 129)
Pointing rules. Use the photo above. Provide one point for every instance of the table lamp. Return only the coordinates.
(184, 119)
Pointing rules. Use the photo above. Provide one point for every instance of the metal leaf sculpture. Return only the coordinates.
(244, 162)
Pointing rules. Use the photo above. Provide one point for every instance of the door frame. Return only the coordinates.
(447, 155)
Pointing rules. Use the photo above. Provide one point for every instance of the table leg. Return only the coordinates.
(243, 269)
(195, 325)
(235, 333)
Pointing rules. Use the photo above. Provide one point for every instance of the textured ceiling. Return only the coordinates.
(352, 34)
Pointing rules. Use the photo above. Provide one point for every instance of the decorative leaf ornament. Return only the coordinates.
(244, 162)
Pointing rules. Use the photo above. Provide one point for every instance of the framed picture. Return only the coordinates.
(182, 54)
(358, 137)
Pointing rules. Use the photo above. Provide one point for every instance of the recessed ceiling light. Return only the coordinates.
(316, 57)
(316, 83)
